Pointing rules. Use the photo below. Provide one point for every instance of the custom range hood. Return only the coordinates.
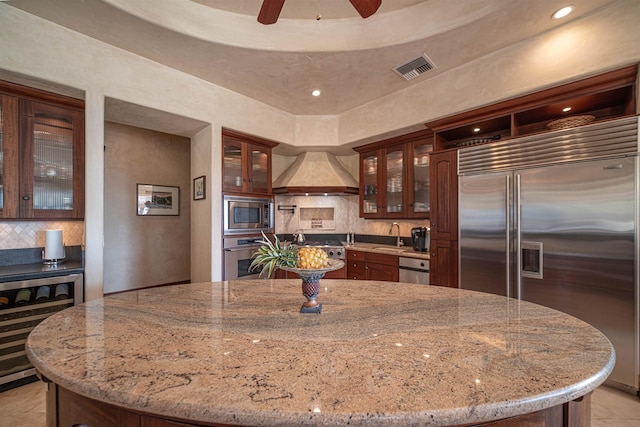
(316, 173)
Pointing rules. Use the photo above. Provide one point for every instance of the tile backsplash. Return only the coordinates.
(345, 216)
(31, 234)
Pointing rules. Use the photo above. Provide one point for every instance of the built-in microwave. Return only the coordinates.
(247, 215)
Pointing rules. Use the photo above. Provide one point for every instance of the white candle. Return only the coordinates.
(54, 248)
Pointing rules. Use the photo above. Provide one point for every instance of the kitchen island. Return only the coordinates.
(240, 353)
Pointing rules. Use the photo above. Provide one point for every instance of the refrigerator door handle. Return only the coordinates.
(507, 213)
(517, 233)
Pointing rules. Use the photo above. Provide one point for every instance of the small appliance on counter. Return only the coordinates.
(420, 239)
(54, 250)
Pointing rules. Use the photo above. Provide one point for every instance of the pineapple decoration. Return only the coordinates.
(272, 256)
(310, 263)
(313, 258)
(277, 254)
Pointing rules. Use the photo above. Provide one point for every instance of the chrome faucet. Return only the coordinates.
(298, 236)
(398, 241)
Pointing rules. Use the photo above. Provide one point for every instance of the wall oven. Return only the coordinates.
(238, 253)
(243, 215)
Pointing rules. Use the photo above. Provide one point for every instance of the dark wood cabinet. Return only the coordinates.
(444, 195)
(443, 265)
(76, 410)
(246, 163)
(372, 266)
(42, 163)
(148, 421)
(419, 189)
(65, 409)
(383, 178)
(603, 97)
(355, 264)
(394, 177)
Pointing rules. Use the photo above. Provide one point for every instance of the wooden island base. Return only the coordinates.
(66, 409)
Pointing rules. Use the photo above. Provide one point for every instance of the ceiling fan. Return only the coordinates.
(270, 10)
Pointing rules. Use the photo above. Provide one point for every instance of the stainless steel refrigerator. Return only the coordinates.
(553, 219)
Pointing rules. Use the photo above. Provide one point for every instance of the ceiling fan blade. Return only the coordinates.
(270, 11)
(366, 8)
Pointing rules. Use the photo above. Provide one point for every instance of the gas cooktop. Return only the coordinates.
(320, 243)
(334, 248)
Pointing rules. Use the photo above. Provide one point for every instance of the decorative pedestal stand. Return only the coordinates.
(311, 284)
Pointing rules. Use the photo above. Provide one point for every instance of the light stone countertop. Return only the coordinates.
(239, 352)
(404, 251)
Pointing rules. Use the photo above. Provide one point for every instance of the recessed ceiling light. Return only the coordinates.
(316, 92)
(562, 12)
(566, 109)
(476, 130)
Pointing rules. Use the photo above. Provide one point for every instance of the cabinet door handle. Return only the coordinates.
(25, 197)
(433, 254)
(433, 224)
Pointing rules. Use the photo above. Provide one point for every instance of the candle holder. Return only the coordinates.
(311, 284)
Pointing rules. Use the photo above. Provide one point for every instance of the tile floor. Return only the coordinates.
(25, 406)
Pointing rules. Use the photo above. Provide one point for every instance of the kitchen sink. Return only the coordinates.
(390, 249)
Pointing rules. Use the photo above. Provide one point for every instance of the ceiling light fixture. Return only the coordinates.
(476, 130)
(562, 12)
(566, 109)
(270, 10)
(316, 92)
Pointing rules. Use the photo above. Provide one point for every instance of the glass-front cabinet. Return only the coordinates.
(369, 184)
(419, 204)
(41, 156)
(260, 170)
(383, 182)
(246, 163)
(394, 177)
(52, 145)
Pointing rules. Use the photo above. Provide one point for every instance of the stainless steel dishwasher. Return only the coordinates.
(414, 270)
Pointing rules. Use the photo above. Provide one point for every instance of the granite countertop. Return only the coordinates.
(404, 251)
(239, 352)
(11, 273)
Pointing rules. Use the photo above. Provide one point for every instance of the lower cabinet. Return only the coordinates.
(443, 266)
(158, 422)
(372, 266)
(68, 409)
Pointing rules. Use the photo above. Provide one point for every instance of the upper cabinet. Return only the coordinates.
(383, 178)
(246, 164)
(603, 97)
(41, 155)
(420, 189)
(394, 177)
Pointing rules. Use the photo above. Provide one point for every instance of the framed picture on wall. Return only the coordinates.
(199, 188)
(158, 200)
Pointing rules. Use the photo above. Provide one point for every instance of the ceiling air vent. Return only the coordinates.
(414, 68)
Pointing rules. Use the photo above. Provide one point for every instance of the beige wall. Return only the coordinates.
(590, 45)
(35, 51)
(141, 251)
(39, 51)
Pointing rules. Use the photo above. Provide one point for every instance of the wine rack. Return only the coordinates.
(25, 304)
